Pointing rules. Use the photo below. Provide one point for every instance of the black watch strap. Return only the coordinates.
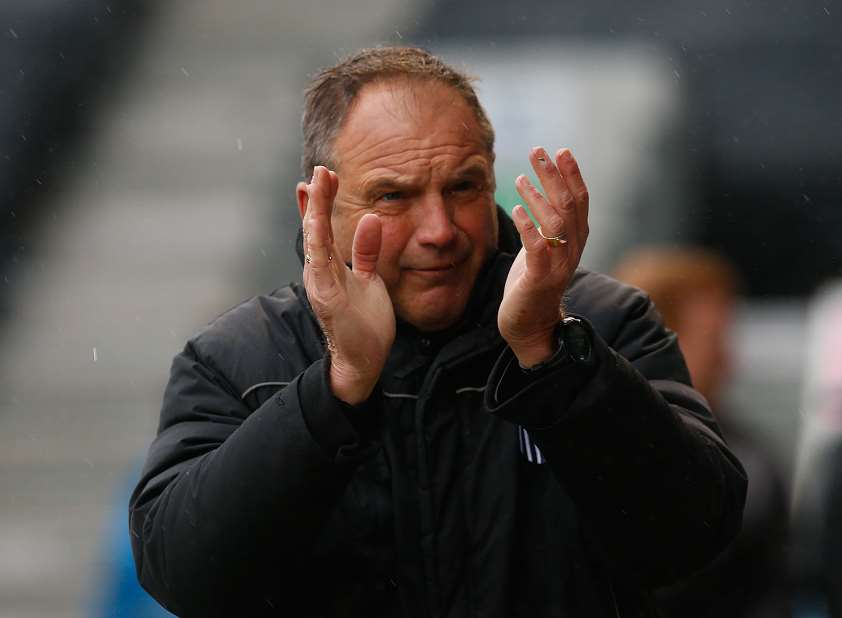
(573, 345)
(576, 340)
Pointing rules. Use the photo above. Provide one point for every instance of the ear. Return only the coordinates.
(302, 197)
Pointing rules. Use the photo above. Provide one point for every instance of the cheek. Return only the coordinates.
(480, 225)
(343, 228)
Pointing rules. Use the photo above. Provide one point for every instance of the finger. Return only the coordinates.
(569, 167)
(556, 190)
(537, 256)
(366, 248)
(550, 219)
(334, 181)
(319, 246)
(320, 279)
(321, 193)
(316, 241)
(334, 188)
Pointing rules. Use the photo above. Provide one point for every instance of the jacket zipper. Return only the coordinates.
(613, 599)
(426, 499)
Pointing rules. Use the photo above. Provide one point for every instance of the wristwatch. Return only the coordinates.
(575, 339)
(574, 346)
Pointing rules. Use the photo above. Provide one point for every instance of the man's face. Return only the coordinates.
(412, 153)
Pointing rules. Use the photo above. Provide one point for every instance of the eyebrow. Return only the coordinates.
(375, 188)
(384, 185)
(472, 171)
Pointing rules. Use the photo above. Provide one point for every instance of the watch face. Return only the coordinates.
(577, 340)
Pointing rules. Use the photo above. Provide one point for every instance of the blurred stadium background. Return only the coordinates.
(148, 154)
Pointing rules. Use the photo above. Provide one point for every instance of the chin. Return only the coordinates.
(427, 324)
(430, 314)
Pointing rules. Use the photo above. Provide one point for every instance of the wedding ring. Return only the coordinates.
(554, 241)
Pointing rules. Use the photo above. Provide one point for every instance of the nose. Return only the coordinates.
(434, 225)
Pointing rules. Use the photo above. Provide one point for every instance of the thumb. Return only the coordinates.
(367, 241)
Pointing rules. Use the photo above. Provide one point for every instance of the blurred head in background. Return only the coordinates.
(694, 290)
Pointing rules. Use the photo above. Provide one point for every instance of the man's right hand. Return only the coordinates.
(351, 304)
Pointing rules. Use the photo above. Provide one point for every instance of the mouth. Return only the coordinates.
(434, 271)
(443, 267)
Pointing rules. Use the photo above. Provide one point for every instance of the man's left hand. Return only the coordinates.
(532, 301)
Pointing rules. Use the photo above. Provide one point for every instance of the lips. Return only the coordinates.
(443, 266)
(448, 266)
(436, 272)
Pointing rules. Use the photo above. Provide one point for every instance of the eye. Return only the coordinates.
(392, 196)
(463, 186)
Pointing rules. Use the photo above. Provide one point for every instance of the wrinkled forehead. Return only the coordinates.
(402, 107)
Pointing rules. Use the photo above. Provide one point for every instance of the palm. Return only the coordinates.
(532, 296)
(541, 272)
(365, 327)
(351, 304)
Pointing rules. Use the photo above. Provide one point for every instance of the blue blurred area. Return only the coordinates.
(118, 593)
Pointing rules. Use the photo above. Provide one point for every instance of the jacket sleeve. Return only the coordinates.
(230, 497)
(634, 446)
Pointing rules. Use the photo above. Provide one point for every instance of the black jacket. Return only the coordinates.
(262, 494)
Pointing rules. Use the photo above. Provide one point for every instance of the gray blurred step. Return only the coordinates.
(171, 218)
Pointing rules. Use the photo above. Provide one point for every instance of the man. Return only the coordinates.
(424, 429)
(695, 291)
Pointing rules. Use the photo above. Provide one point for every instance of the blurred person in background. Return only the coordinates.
(817, 488)
(425, 429)
(695, 291)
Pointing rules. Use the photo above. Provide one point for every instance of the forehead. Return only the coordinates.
(401, 122)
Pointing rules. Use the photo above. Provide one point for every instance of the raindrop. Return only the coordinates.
(239, 144)
(186, 73)
(94, 354)
(15, 34)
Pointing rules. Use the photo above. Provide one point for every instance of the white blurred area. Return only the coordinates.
(186, 206)
(616, 105)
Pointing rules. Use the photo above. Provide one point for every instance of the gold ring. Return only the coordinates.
(553, 241)
(307, 258)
